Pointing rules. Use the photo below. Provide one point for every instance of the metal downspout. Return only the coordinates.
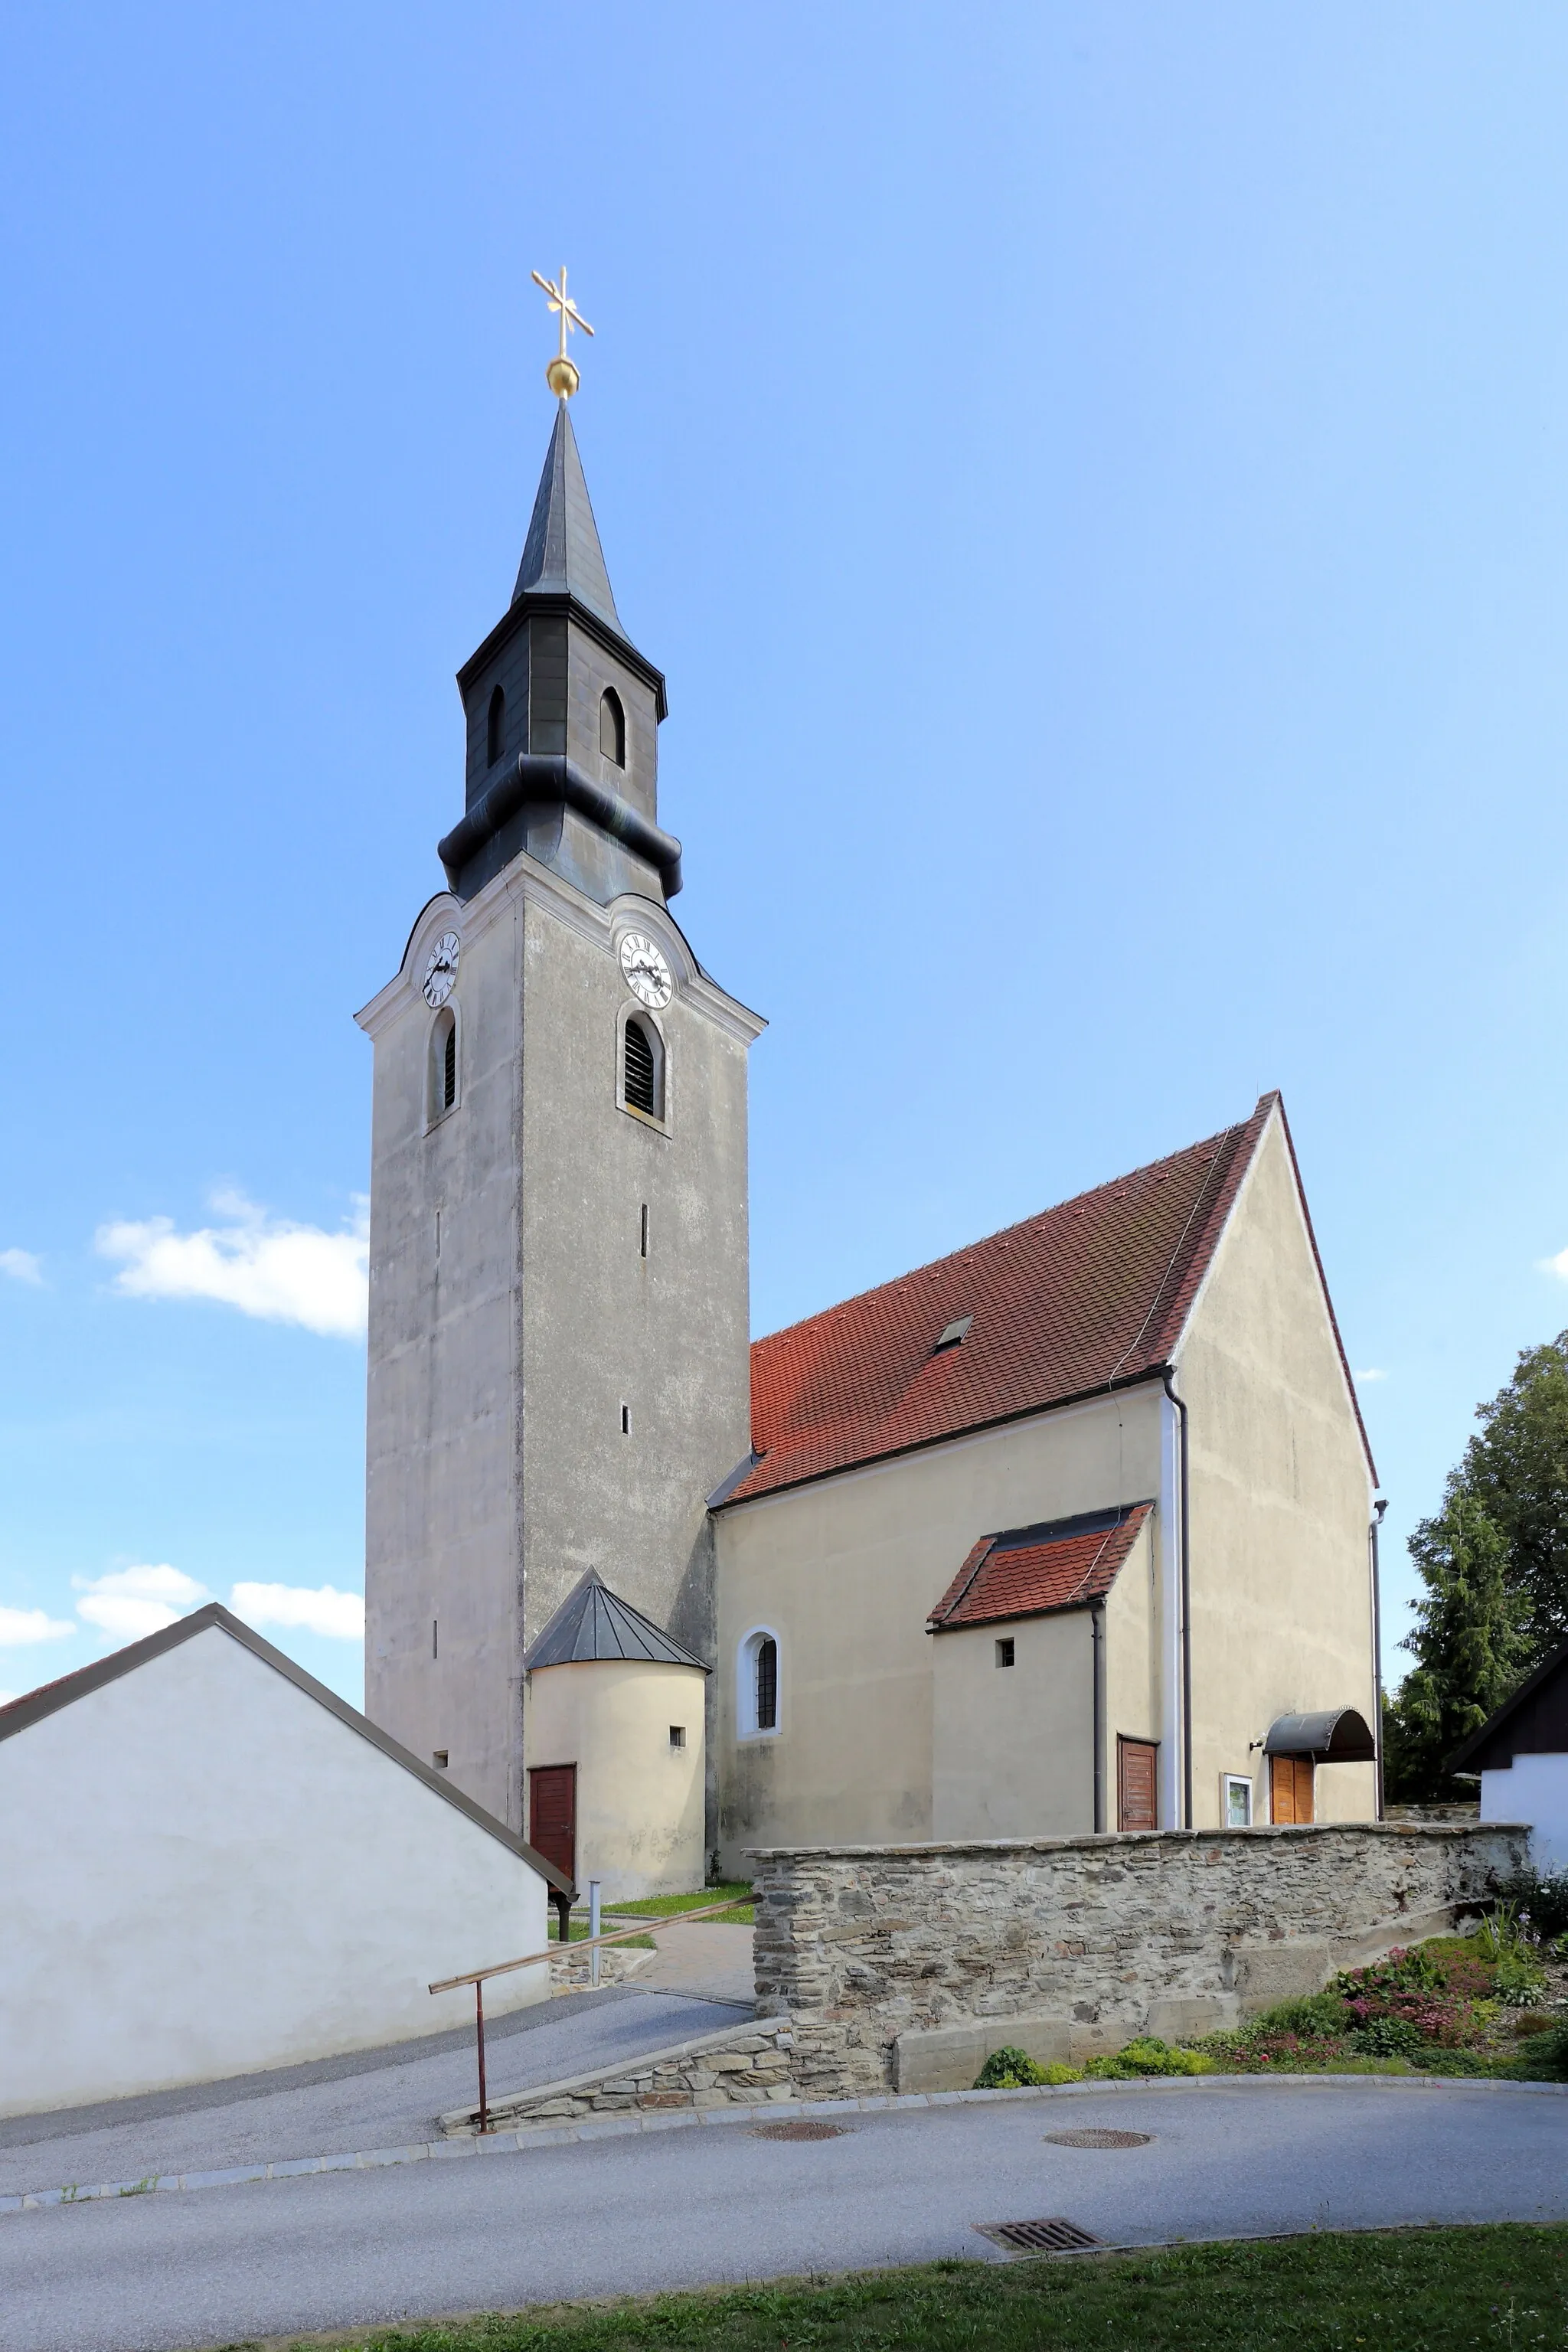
(1097, 1634)
(1183, 1600)
(1376, 1530)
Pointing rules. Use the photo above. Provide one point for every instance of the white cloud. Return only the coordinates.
(339, 1615)
(1372, 1373)
(1558, 1265)
(279, 1272)
(131, 1601)
(19, 1626)
(22, 1265)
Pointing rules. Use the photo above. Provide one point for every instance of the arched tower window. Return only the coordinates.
(495, 732)
(443, 1062)
(642, 1087)
(612, 726)
(757, 1684)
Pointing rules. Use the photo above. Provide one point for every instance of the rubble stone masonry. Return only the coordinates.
(899, 1966)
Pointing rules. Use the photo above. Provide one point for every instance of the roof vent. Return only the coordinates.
(954, 1334)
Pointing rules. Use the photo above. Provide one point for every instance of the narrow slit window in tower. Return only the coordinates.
(495, 732)
(613, 728)
(449, 1068)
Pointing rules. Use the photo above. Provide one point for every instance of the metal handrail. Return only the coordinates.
(478, 1978)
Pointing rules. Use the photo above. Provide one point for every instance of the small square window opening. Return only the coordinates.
(439, 1759)
(677, 1735)
(1006, 1654)
(1236, 1800)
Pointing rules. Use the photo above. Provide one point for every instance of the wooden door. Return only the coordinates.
(1290, 1788)
(1137, 1784)
(552, 1815)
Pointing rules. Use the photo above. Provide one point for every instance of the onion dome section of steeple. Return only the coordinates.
(593, 1625)
(562, 715)
(561, 555)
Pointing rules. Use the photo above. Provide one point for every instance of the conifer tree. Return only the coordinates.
(1516, 1467)
(1469, 1642)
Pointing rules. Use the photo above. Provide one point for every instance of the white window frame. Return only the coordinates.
(746, 1723)
(654, 1029)
(1228, 1781)
(436, 1110)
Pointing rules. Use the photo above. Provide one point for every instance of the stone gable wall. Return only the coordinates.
(870, 1949)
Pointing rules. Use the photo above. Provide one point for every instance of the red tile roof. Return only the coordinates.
(1030, 1570)
(1089, 1296)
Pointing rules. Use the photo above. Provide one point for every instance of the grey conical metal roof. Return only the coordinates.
(593, 1622)
(561, 555)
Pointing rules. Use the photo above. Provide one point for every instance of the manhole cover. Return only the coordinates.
(1055, 2237)
(1099, 2139)
(802, 2130)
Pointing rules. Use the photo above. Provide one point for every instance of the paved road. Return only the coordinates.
(686, 2207)
(372, 2098)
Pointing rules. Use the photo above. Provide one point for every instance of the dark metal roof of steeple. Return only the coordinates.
(561, 555)
(593, 1622)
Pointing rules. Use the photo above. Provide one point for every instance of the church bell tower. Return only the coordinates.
(558, 1358)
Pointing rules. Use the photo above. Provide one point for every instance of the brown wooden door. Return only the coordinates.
(1290, 1788)
(552, 1815)
(1137, 1784)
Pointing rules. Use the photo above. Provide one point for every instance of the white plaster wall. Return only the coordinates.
(1013, 1746)
(1535, 1789)
(1280, 1503)
(206, 1874)
(845, 1571)
(639, 1800)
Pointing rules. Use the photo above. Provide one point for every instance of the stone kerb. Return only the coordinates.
(899, 1966)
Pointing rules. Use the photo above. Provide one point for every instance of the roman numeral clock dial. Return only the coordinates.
(441, 972)
(645, 971)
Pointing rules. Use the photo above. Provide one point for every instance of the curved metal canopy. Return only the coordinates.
(1339, 1735)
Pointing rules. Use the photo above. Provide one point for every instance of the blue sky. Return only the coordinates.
(1097, 481)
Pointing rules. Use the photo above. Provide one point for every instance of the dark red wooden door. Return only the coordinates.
(1290, 1788)
(1137, 1778)
(552, 1815)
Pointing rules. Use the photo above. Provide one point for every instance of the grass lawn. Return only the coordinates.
(580, 1935)
(1391, 2291)
(665, 1907)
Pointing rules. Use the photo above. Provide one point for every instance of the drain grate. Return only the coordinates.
(1057, 2237)
(1099, 2139)
(802, 2130)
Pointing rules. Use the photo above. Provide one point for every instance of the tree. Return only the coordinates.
(1470, 1642)
(1516, 1468)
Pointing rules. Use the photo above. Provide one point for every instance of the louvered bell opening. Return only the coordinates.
(639, 1069)
(449, 1069)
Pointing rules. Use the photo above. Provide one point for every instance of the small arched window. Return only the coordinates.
(642, 1088)
(495, 732)
(757, 1694)
(443, 1063)
(612, 726)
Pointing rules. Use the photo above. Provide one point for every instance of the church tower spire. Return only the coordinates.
(562, 717)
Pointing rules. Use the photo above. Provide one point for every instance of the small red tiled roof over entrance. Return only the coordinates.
(1028, 1571)
(1089, 1296)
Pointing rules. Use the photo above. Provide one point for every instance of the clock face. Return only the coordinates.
(644, 971)
(441, 972)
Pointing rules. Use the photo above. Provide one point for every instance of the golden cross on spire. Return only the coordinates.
(560, 375)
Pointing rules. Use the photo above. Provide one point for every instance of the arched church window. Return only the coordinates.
(644, 1071)
(612, 727)
(495, 733)
(757, 1692)
(443, 1062)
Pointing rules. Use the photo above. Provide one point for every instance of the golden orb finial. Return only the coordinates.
(560, 375)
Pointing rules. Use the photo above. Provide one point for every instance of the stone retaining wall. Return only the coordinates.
(898, 1967)
(741, 2065)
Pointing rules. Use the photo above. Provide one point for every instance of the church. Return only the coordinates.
(1072, 1532)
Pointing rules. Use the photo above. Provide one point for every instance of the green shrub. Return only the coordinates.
(1518, 1979)
(1147, 2055)
(1314, 2019)
(1009, 2070)
(1389, 2037)
(1543, 2057)
(1542, 1897)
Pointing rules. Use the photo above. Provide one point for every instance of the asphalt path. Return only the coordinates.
(721, 2204)
(370, 2098)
